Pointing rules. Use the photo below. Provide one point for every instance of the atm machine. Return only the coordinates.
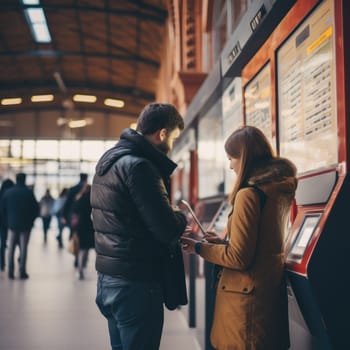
(318, 265)
(313, 130)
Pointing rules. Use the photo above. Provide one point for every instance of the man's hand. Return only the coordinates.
(187, 244)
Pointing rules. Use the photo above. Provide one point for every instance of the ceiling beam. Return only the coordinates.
(91, 109)
(32, 88)
(62, 54)
(151, 13)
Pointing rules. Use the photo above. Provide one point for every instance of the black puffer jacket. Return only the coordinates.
(133, 219)
(19, 207)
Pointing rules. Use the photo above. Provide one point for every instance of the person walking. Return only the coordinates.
(84, 228)
(46, 203)
(57, 210)
(72, 192)
(135, 227)
(251, 307)
(20, 208)
(6, 184)
(68, 206)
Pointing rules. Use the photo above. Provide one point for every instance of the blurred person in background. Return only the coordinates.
(72, 192)
(57, 210)
(20, 208)
(7, 183)
(46, 204)
(84, 227)
(68, 205)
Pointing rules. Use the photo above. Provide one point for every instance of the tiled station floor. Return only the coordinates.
(54, 310)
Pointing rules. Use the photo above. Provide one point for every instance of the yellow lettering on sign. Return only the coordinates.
(324, 36)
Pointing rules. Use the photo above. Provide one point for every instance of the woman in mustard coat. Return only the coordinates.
(251, 307)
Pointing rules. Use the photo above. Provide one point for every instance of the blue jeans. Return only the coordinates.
(134, 311)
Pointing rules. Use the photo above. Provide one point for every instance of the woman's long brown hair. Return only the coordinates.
(250, 146)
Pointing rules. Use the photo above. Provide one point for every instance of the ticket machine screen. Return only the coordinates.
(220, 220)
(303, 238)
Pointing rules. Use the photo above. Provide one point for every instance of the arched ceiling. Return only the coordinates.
(105, 48)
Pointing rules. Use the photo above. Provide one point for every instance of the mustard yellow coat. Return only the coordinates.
(251, 308)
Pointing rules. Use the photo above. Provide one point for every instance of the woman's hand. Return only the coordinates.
(212, 237)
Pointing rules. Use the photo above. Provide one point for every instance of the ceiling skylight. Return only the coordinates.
(37, 22)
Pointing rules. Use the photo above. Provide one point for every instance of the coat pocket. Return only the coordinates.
(236, 282)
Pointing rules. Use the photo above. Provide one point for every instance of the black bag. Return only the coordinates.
(173, 278)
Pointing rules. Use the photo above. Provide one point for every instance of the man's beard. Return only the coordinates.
(163, 147)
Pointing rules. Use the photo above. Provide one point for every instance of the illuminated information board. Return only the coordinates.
(257, 96)
(306, 93)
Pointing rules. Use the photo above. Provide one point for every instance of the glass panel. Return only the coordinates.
(29, 149)
(232, 119)
(211, 153)
(258, 108)
(219, 27)
(69, 169)
(89, 168)
(92, 150)
(30, 179)
(46, 149)
(51, 163)
(16, 148)
(52, 167)
(110, 144)
(4, 148)
(47, 167)
(69, 149)
(239, 8)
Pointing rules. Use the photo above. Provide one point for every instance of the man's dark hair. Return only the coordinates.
(21, 178)
(83, 176)
(156, 116)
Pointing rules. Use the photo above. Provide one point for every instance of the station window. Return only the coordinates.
(226, 17)
(28, 149)
(52, 164)
(91, 150)
(69, 149)
(4, 148)
(46, 149)
(16, 148)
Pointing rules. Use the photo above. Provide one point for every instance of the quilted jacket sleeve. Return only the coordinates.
(148, 191)
(242, 228)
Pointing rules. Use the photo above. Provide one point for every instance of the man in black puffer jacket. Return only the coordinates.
(136, 227)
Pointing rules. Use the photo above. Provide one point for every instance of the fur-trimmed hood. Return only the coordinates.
(277, 174)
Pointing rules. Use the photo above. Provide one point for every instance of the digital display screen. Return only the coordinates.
(308, 130)
(305, 233)
(220, 222)
(257, 96)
